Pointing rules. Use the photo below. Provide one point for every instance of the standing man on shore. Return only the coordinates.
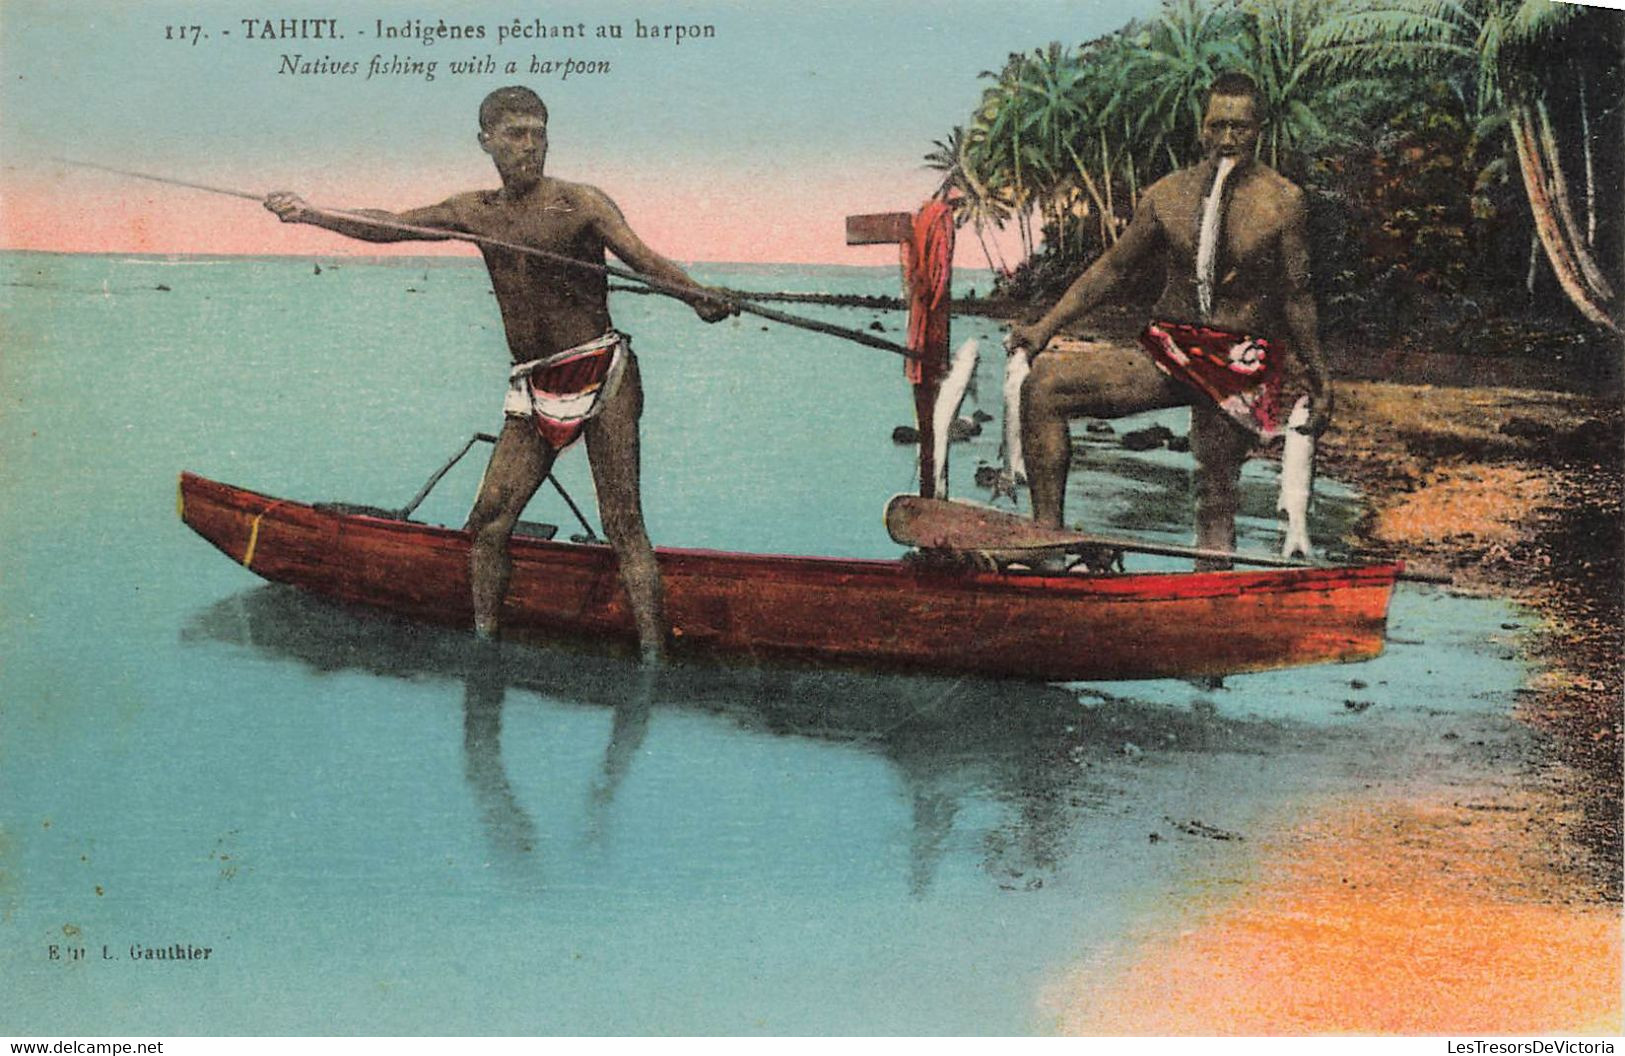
(573, 373)
(1235, 309)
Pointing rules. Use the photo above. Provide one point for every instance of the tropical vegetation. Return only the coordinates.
(1454, 150)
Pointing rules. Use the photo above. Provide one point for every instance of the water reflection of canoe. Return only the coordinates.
(866, 613)
(284, 623)
(1055, 763)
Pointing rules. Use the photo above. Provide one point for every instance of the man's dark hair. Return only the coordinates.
(1235, 85)
(512, 100)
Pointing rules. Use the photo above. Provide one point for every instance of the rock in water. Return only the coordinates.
(1146, 439)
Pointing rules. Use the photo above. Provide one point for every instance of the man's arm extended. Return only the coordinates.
(1142, 238)
(1302, 320)
(370, 225)
(625, 244)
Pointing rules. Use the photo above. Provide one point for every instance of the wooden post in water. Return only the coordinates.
(928, 335)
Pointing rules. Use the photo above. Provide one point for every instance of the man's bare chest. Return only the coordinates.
(1249, 227)
(549, 223)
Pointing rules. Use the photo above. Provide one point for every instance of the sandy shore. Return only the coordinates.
(1486, 910)
(1417, 914)
(1516, 493)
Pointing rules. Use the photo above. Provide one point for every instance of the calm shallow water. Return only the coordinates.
(377, 829)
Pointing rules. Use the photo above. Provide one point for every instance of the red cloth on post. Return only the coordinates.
(928, 266)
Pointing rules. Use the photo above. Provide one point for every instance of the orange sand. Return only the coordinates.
(1409, 918)
(1488, 503)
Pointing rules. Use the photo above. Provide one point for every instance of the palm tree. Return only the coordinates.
(1185, 50)
(1104, 154)
(1484, 47)
(1286, 66)
(943, 157)
(961, 187)
(994, 146)
(1051, 119)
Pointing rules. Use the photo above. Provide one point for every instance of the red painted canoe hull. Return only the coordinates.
(865, 613)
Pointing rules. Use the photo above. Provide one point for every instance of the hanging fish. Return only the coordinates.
(1017, 365)
(961, 367)
(1297, 482)
(1207, 240)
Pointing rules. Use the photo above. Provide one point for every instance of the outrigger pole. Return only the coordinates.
(686, 294)
(486, 438)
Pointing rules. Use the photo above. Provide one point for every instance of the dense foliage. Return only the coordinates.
(1460, 155)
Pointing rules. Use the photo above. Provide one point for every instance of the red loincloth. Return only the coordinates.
(1241, 374)
(560, 393)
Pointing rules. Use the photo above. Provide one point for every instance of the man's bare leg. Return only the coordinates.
(1219, 446)
(1097, 381)
(614, 451)
(519, 464)
(1046, 443)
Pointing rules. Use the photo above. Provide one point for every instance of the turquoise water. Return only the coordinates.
(375, 829)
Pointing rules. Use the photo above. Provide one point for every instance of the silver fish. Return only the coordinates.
(1017, 366)
(1297, 482)
(1207, 241)
(961, 368)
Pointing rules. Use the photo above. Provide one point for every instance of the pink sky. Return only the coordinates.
(736, 218)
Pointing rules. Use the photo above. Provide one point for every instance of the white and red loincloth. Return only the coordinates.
(562, 392)
(1240, 374)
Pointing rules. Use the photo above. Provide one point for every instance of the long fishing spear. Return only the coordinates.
(682, 293)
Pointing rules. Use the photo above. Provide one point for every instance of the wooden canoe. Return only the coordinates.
(874, 614)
